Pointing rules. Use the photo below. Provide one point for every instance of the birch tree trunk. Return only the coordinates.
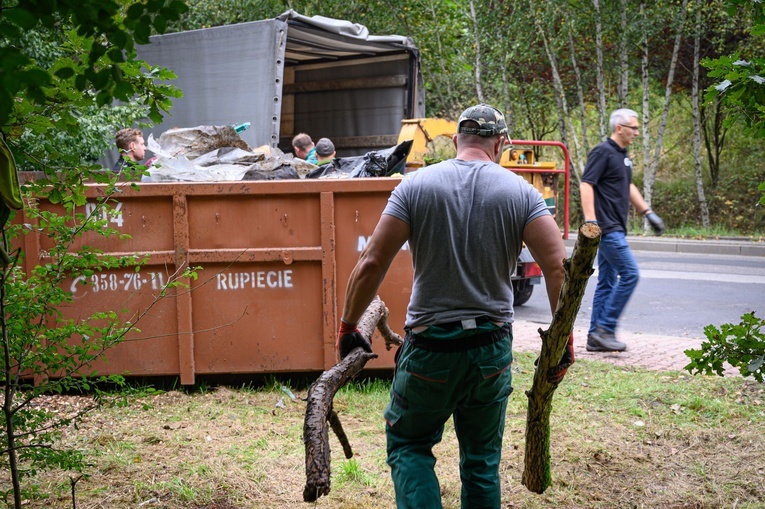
(697, 123)
(600, 74)
(510, 119)
(580, 154)
(650, 172)
(560, 93)
(444, 75)
(623, 60)
(477, 65)
(560, 96)
(646, 90)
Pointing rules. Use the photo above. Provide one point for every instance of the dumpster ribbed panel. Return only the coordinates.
(274, 257)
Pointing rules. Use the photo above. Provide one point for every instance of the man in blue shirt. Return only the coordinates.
(304, 148)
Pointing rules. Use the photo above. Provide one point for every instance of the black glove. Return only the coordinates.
(655, 221)
(556, 374)
(351, 340)
(348, 338)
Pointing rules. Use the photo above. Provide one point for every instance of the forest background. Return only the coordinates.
(557, 69)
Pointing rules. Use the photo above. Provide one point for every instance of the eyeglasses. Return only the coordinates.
(635, 129)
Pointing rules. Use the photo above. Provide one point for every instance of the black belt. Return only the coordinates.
(459, 344)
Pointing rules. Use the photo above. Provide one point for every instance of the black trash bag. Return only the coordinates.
(377, 163)
(283, 172)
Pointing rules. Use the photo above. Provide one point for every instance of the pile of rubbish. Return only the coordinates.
(217, 153)
(378, 163)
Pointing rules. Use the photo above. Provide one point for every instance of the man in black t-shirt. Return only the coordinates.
(607, 192)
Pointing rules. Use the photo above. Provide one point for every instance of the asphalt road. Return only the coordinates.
(678, 294)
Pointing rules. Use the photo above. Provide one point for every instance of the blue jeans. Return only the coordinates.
(617, 278)
(472, 387)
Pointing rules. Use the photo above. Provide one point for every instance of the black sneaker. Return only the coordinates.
(601, 340)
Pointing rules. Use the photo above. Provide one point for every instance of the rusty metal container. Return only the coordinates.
(275, 259)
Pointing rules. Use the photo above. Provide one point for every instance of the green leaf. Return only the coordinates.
(160, 24)
(11, 31)
(155, 114)
(154, 5)
(142, 33)
(103, 98)
(135, 11)
(36, 77)
(65, 73)
(123, 90)
(119, 39)
(12, 58)
(178, 7)
(20, 16)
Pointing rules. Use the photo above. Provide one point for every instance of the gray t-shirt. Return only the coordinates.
(466, 222)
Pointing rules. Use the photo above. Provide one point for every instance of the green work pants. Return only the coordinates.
(428, 387)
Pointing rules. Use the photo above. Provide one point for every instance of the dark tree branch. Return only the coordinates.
(319, 414)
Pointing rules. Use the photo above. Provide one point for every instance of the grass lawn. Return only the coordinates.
(621, 437)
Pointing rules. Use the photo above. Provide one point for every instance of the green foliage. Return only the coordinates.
(742, 90)
(45, 351)
(733, 206)
(742, 87)
(205, 14)
(741, 345)
(68, 126)
(106, 30)
(61, 65)
(41, 345)
(741, 77)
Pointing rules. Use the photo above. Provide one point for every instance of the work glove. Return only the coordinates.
(655, 221)
(556, 374)
(349, 337)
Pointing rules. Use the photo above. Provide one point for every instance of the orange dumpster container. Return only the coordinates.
(275, 258)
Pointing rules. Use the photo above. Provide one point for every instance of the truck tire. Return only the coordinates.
(522, 289)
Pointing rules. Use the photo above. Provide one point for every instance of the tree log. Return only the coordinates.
(319, 414)
(536, 473)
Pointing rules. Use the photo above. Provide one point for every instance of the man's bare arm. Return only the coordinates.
(369, 272)
(543, 238)
(587, 194)
(636, 199)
